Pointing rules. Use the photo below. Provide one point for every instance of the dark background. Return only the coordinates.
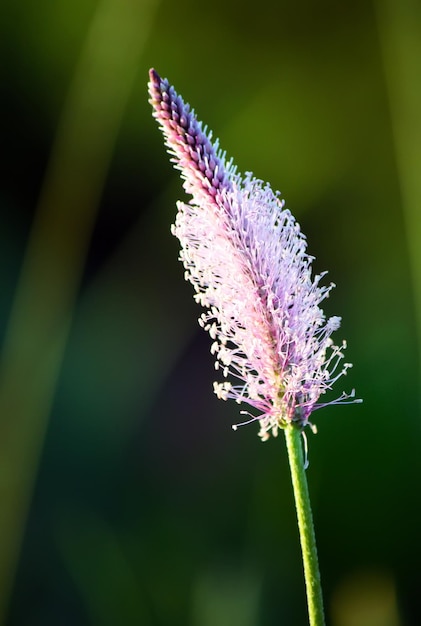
(130, 497)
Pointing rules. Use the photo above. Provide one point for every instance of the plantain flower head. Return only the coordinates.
(246, 257)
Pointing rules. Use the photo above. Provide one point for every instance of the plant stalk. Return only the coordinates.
(305, 526)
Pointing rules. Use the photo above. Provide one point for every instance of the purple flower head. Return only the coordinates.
(246, 257)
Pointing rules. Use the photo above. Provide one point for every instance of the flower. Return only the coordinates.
(246, 257)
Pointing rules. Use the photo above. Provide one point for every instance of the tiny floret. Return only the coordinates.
(247, 259)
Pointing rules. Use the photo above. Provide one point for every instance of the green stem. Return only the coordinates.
(305, 526)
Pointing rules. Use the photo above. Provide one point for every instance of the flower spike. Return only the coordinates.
(246, 257)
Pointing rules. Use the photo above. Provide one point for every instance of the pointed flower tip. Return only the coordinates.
(202, 164)
(246, 257)
(154, 77)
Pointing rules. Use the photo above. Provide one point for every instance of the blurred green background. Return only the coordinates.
(126, 498)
